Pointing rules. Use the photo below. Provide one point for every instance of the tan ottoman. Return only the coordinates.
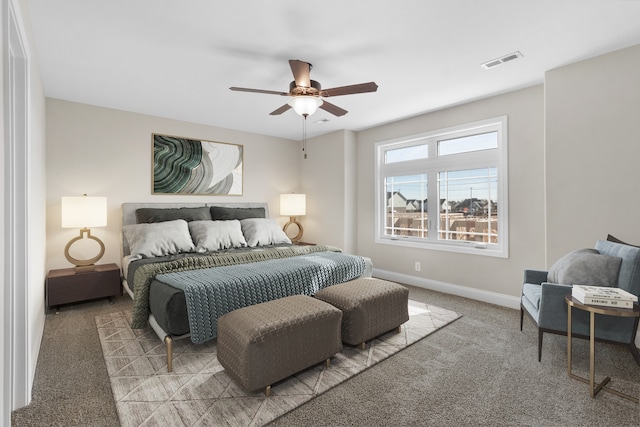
(369, 307)
(265, 343)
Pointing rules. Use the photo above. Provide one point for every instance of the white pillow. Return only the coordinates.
(158, 239)
(262, 231)
(215, 235)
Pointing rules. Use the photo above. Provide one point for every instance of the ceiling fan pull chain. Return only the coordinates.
(304, 136)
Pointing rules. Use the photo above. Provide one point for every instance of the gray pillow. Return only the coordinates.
(158, 239)
(262, 231)
(585, 267)
(225, 213)
(214, 235)
(144, 215)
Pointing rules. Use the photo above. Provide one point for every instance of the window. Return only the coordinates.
(457, 174)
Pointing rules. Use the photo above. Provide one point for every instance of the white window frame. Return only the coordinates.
(497, 158)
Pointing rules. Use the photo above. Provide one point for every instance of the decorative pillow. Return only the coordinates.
(224, 213)
(262, 231)
(145, 215)
(158, 239)
(215, 235)
(585, 267)
(610, 238)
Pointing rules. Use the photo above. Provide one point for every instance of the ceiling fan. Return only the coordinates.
(305, 94)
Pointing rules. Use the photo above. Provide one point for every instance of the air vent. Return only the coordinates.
(499, 61)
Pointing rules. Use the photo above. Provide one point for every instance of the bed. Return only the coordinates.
(186, 264)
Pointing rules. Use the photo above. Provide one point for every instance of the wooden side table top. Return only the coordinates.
(63, 272)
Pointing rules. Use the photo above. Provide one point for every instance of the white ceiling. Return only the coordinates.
(177, 59)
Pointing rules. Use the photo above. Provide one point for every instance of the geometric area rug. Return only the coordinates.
(199, 393)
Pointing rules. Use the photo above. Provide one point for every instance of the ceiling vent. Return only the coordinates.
(499, 61)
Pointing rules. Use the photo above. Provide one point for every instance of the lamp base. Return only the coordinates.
(85, 268)
(293, 220)
(84, 265)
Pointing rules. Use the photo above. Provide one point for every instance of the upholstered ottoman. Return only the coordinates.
(265, 343)
(369, 307)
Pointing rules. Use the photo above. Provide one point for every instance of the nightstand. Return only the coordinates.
(65, 286)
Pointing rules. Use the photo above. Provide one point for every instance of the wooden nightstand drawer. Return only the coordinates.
(66, 286)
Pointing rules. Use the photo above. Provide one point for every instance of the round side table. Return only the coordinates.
(593, 310)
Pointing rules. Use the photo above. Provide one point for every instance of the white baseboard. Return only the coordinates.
(449, 288)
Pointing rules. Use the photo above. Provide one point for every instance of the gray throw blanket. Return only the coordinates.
(209, 296)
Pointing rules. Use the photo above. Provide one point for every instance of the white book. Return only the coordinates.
(604, 302)
(602, 292)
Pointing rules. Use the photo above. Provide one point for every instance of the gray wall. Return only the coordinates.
(481, 277)
(592, 147)
(573, 149)
(328, 177)
(105, 152)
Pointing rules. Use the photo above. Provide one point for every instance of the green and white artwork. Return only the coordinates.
(192, 166)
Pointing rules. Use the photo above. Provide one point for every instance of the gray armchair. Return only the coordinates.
(545, 305)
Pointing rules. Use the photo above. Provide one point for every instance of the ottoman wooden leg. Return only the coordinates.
(168, 341)
(267, 391)
(399, 329)
(327, 363)
(363, 345)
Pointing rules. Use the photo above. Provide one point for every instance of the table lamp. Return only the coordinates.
(293, 205)
(84, 212)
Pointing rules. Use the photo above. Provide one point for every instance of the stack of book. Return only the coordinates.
(608, 297)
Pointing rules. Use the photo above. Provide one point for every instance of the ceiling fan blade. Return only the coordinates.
(268, 92)
(333, 109)
(351, 89)
(280, 110)
(301, 71)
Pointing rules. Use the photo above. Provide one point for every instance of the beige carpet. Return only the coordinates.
(199, 393)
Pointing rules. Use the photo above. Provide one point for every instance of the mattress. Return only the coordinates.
(169, 307)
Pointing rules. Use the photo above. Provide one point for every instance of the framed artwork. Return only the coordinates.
(193, 166)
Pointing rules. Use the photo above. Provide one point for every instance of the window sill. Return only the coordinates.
(472, 248)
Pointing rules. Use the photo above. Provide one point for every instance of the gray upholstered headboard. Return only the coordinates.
(129, 213)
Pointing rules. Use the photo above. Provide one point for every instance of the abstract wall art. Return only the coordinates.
(193, 166)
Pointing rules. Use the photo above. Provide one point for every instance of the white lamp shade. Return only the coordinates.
(293, 204)
(84, 212)
(305, 105)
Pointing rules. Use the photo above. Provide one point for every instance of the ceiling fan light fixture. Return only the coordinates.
(305, 105)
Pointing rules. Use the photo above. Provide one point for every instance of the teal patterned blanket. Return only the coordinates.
(209, 296)
(145, 273)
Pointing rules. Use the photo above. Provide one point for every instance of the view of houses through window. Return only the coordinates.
(454, 175)
(471, 218)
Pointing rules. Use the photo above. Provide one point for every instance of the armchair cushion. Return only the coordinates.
(586, 267)
(532, 293)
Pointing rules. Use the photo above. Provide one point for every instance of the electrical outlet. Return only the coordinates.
(417, 265)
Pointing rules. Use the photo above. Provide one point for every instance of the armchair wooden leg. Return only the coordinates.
(521, 317)
(635, 353)
(540, 344)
